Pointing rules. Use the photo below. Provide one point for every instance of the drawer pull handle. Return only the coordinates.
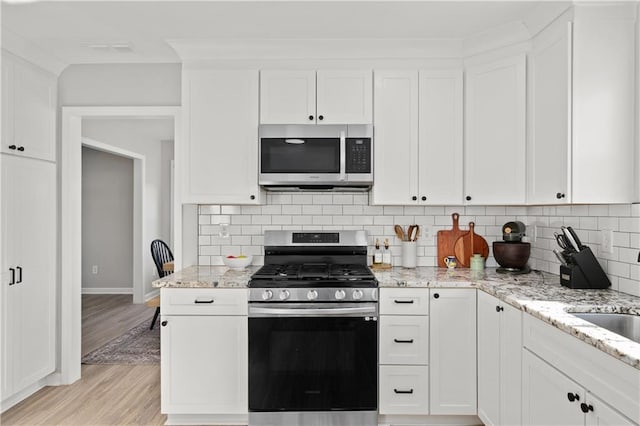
(403, 341)
(203, 301)
(410, 391)
(403, 301)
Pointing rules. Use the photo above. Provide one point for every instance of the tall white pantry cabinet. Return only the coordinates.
(28, 218)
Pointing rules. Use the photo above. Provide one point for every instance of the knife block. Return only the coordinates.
(583, 271)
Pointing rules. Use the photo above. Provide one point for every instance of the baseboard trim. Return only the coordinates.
(107, 290)
(153, 293)
(22, 395)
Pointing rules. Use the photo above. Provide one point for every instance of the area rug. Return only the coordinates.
(137, 346)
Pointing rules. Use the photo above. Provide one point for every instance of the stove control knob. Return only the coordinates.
(312, 295)
(357, 294)
(284, 294)
(267, 294)
(340, 294)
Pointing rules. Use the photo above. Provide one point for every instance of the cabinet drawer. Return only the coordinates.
(203, 301)
(404, 389)
(404, 301)
(404, 339)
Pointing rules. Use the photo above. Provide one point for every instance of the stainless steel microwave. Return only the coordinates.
(316, 163)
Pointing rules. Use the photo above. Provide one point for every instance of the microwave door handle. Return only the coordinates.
(343, 155)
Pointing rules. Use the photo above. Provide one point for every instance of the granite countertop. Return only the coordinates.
(207, 277)
(539, 294)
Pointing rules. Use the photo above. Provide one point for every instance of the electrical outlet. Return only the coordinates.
(606, 241)
(94, 269)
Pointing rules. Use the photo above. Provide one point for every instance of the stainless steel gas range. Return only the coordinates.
(313, 331)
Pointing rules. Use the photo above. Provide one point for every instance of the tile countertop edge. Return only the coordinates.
(538, 294)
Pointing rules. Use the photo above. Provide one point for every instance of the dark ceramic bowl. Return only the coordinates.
(511, 255)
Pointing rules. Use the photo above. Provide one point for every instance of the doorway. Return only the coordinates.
(73, 120)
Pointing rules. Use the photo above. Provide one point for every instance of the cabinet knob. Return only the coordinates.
(586, 408)
(559, 195)
(21, 148)
(423, 198)
(414, 198)
(253, 197)
(573, 397)
(436, 295)
(468, 198)
(499, 309)
(321, 117)
(12, 147)
(311, 118)
(164, 323)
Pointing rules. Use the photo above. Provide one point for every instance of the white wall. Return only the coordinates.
(144, 137)
(107, 222)
(120, 85)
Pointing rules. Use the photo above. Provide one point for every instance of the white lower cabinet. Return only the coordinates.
(404, 389)
(499, 361)
(452, 351)
(204, 363)
(404, 351)
(28, 261)
(568, 382)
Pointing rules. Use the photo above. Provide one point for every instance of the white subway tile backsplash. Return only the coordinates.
(306, 211)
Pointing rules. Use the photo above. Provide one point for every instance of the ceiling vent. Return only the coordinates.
(119, 47)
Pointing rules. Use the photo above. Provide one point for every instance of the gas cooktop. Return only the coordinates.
(314, 271)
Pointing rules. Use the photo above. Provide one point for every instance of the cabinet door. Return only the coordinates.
(549, 161)
(221, 127)
(488, 359)
(287, 97)
(31, 114)
(452, 350)
(344, 97)
(204, 364)
(545, 395)
(601, 414)
(29, 210)
(440, 148)
(396, 147)
(510, 365)
(495, 133)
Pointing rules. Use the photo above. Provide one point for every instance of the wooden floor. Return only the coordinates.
(106, 394)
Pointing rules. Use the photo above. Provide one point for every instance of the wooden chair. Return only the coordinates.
(161, 254)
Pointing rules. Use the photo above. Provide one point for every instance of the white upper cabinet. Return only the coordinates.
(549, 150)
(440, 149)
(220, 163)
(28, 109)
(495, 132)
(582, 108)
(287, 97)
(307, 97)
(396, 138)
(418, 147)
(604, 114)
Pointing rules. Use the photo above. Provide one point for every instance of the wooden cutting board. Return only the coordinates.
(468, 245)
(447, 240)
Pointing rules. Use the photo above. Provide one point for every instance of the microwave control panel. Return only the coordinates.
(359, 156)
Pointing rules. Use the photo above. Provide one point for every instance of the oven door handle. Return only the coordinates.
(257, 311)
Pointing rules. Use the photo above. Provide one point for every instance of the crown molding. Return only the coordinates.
(31, 52)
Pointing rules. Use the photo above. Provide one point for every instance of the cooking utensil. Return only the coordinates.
(560, 257)
(512, 256)
(469, 244)
(400, 232)
(412, 233)
(575, 237)
(447, 240)
(570, 239)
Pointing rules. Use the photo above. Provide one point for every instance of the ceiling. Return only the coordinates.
(80, 32)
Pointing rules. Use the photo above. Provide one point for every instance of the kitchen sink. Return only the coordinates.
(622, 324)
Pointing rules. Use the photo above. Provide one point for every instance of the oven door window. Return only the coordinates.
(307, 155)
(312, 364)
